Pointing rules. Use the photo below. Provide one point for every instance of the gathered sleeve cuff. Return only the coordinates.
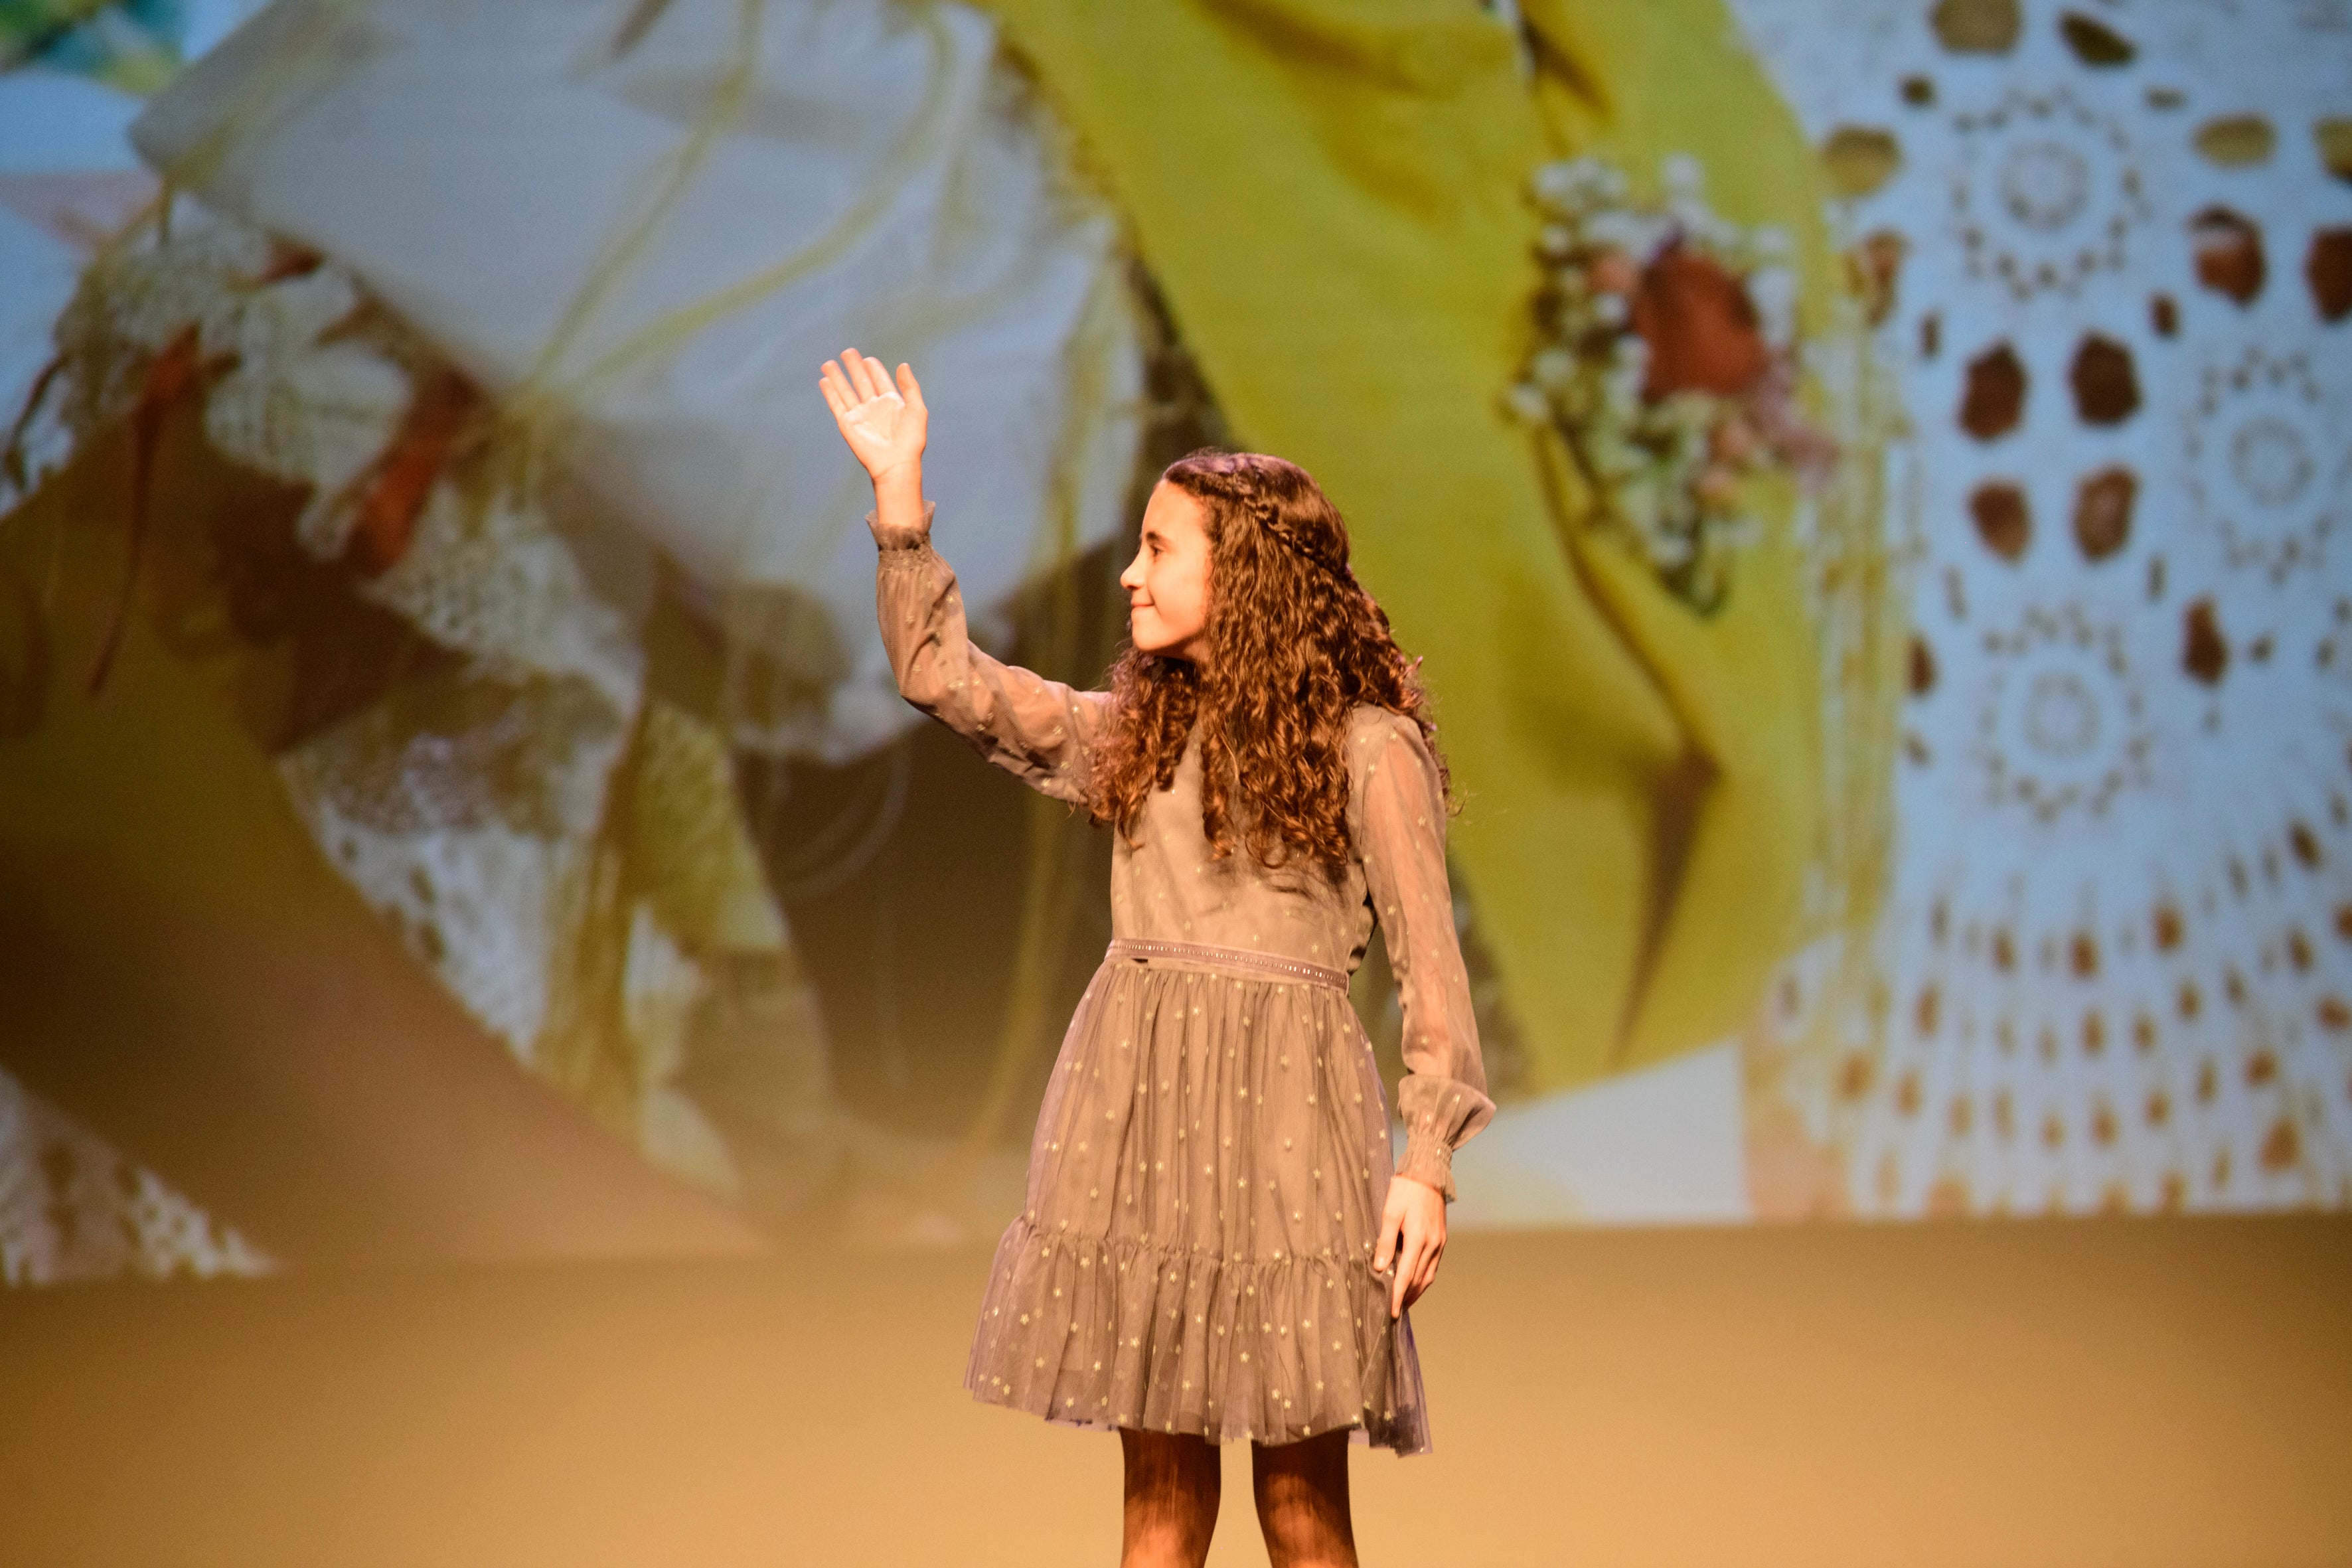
(1038, 730)
(1401, 837)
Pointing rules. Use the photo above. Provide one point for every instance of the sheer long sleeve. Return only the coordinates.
(1034, 728)
(1400, 826)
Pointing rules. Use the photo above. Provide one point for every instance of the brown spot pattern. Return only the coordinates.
(2333, 139)
(1922, 667)
(2083, 956)
(2106, 383)
(2235, 140)
(1976, 27)
(1860, 159)
(2001, 518)
(2281, 1149)
(1995, 399)
(2328, 269)
(2229, 254)
(2103, 512)
(2094, 43)
(2203, 653)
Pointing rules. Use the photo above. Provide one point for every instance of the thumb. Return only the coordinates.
(908, 387)
(1385, 1247)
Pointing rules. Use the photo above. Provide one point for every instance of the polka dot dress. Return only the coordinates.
(1211, 1157)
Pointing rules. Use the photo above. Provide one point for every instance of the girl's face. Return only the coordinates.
(1167, 584)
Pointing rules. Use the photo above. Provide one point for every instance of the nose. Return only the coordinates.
(1132, 578)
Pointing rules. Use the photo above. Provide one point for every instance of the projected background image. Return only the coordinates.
(1869, 478)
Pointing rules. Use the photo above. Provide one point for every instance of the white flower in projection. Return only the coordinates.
(2045, 193)
(2061, 726)
(2267, 456)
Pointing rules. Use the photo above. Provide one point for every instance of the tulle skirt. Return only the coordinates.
(1205, 1183)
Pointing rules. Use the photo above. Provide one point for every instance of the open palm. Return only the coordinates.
(883, 423)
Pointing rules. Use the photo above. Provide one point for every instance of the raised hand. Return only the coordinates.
(883, 423)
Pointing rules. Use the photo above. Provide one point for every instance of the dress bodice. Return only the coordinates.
(1167, 884)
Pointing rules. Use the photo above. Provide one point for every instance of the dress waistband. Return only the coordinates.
(1142, 950)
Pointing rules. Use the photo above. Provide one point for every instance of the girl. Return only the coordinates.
(1213, 1245)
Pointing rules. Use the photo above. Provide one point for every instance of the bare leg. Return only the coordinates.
(1173, 1483)
(1302, 1502)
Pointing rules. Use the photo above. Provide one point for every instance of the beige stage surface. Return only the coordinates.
(2144, 1392)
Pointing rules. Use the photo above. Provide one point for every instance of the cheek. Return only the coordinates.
(1181, 595)
(1196, 597)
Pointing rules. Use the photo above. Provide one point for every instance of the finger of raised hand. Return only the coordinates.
(872, 380)
(838, 390)
(910, 389)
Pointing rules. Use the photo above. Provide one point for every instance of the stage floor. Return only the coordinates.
(2130, 1391)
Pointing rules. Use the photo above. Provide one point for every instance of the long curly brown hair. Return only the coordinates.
(1295, 645)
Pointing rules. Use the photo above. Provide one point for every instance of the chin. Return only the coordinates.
(1150, 635)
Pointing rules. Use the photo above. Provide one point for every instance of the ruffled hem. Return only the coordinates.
(1102, 1333)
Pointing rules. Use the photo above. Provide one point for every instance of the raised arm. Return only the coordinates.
(1035, 729)
(1401, 820)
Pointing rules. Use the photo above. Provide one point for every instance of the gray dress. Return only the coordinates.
(1210, 1164)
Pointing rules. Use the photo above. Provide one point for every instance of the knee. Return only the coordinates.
(1172, 1486)
(1303, 1510)
(1294, 1515)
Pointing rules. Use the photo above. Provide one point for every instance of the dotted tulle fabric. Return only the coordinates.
(1211, 1158)
(1195, 1251)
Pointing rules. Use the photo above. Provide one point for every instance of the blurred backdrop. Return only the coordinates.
(1872, 480)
